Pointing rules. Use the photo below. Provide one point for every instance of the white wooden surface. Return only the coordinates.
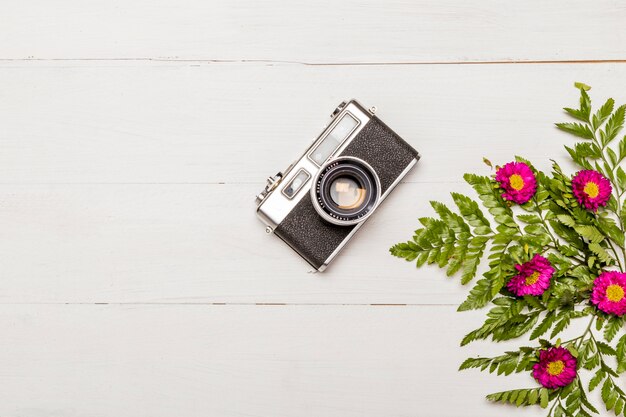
(134, 277)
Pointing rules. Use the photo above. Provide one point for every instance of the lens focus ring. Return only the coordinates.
(346, 191)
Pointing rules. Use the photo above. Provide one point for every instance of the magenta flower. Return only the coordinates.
(591, 189)
(533, 278)
(609, 291)
(518, 182)
(556, 367)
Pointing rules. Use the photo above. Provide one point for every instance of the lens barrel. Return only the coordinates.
(346, 191)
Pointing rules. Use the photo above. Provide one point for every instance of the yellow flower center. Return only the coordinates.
(555, 368)
(516, 182)
(615, 293)
(533, 278)
(591, 189)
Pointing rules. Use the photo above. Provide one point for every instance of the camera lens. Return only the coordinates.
(346, 191)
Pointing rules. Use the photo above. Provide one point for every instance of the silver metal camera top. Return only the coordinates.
(273, 207)
(339, 108)
(271, 183)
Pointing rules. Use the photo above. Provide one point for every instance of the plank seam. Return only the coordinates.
(322, 64)
(251, 304)
(252, 183)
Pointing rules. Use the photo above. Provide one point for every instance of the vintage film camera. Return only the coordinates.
(325, 196)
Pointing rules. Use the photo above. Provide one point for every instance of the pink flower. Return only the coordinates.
(609, 291)
(533, 278)
(518, 182)
(556, 367)
(591, 189)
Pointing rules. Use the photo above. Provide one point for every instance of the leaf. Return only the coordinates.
(621, 178)
(504, 321)
(470, 211)
(622, 148)
(543, 394)
(564, 321)
(611, 394)
(582, 86)
(517, 397)
(584, 401)
(585, 102)
(479, 296)
(407, 251)
(605, 348)
(470, 265)
(452, 220)
(602, 114)
(576, 113)
(576, 129)
(529, 218)
(612, 156)
(597, 378)
(544, 326)
(603, 255)
(566, 220)
(535, 229)
(474, 363)
(591, 233)
(504, 364)
(613, 325)
(613, 126)
(533, 396)
(474, 253)
(621, 355)
(491, 199)
(608, 226)
(606, 389)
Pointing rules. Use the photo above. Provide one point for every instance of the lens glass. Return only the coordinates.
(347, 192)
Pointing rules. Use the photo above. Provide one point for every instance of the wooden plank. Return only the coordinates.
(314, 32)
(182, 123)
(65, 360)
(201, 244)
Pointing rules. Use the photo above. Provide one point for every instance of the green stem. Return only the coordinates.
(621, 224)
(618, 192)
(557, 243)
(554, 404)
(587, 331)
(545, 224)
(619, 262)
(574, 257)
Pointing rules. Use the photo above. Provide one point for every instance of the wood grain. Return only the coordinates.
(78, 360)
(135, 183)
(232, 123)
(315, 32)
(135, 279)
(200, 244)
